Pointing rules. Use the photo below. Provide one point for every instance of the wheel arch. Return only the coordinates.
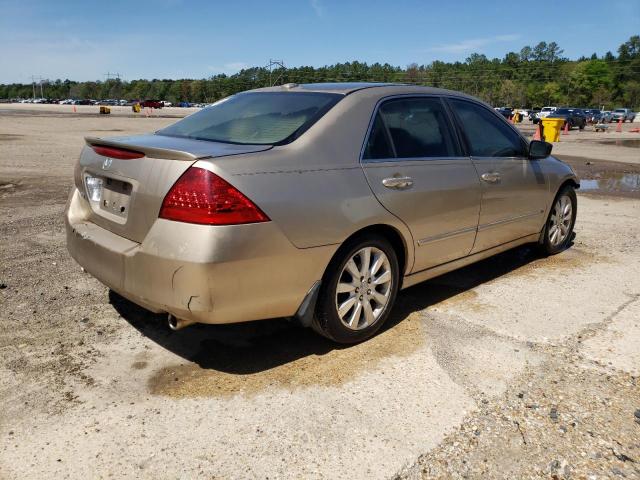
(568, 181)
(390, 233)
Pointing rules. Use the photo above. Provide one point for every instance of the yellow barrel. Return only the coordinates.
(104, 110)
(551, 128)
(136, 107)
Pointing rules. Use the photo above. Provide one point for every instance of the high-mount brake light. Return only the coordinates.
(200, 196)
(114, 152)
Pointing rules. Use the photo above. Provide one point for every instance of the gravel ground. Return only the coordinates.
(571, 417)
(516, 367)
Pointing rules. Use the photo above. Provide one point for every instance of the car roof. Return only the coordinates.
(346, 88)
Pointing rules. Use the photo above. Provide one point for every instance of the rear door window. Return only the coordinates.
(487, 134)
(417, 128)
(378, 146)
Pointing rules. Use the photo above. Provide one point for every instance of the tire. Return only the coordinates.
(550, 243)
(357, 292)
(582, 126)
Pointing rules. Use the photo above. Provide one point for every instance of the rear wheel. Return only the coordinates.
(358, 290)
(559, 227)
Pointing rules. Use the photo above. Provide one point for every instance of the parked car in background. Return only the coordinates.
(328, 185)
(152, 104)
(573, 117)
(592, 114)
(544, 112)
(606, 116)
(624, 114)
(533, 114)
(506, 112)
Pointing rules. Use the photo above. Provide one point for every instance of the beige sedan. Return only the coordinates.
(316, 201)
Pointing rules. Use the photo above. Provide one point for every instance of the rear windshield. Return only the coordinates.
(256, 118)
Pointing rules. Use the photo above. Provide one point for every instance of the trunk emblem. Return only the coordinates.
(106, 163)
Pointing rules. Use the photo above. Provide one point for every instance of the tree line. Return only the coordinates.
(533, 77)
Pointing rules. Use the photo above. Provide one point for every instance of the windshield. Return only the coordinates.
(547, 109)
(563, 110)
(258, 118)
(619, 110)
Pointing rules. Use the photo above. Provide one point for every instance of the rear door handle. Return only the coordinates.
(398, 183)
(491, 177)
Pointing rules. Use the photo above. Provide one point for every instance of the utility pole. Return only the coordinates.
(271, 65)
(33, 81)
(109, 76)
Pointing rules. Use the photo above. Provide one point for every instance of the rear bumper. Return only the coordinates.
(207, 274)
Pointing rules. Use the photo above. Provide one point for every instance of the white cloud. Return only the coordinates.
(470, 45)
(318, 7)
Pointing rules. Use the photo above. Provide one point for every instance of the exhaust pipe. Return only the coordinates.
(177, 323)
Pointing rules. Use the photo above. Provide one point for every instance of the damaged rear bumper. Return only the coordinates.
(206, 274)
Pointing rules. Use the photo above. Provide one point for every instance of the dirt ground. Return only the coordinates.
(516, 367)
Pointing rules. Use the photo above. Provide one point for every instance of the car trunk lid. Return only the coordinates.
(125, 195)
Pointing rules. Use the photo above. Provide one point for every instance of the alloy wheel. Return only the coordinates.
(560, 221)
(364, 288)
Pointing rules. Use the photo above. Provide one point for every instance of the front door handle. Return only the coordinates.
(398, 183)
(491, 177)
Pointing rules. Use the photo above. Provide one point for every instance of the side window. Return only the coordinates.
(487, 134)
(419, 128)
(378, 146)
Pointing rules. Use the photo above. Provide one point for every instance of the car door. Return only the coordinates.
(514, 188)
(414, 165)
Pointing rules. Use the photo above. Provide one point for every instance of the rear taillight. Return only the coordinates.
(119, 153)
(200, 196)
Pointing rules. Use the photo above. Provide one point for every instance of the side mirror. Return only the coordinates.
(539, 149)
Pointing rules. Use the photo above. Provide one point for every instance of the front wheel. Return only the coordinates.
(559, 227)
(358, 290)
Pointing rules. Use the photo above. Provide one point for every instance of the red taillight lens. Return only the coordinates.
(200, 196)
(119, 153)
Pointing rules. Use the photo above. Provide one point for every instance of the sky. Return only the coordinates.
(85, 40)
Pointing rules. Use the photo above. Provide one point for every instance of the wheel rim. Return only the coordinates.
(364, 288)
(560, 221)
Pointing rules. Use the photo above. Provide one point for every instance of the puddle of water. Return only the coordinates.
(627, 142)
(237, 368)
(612, 182)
